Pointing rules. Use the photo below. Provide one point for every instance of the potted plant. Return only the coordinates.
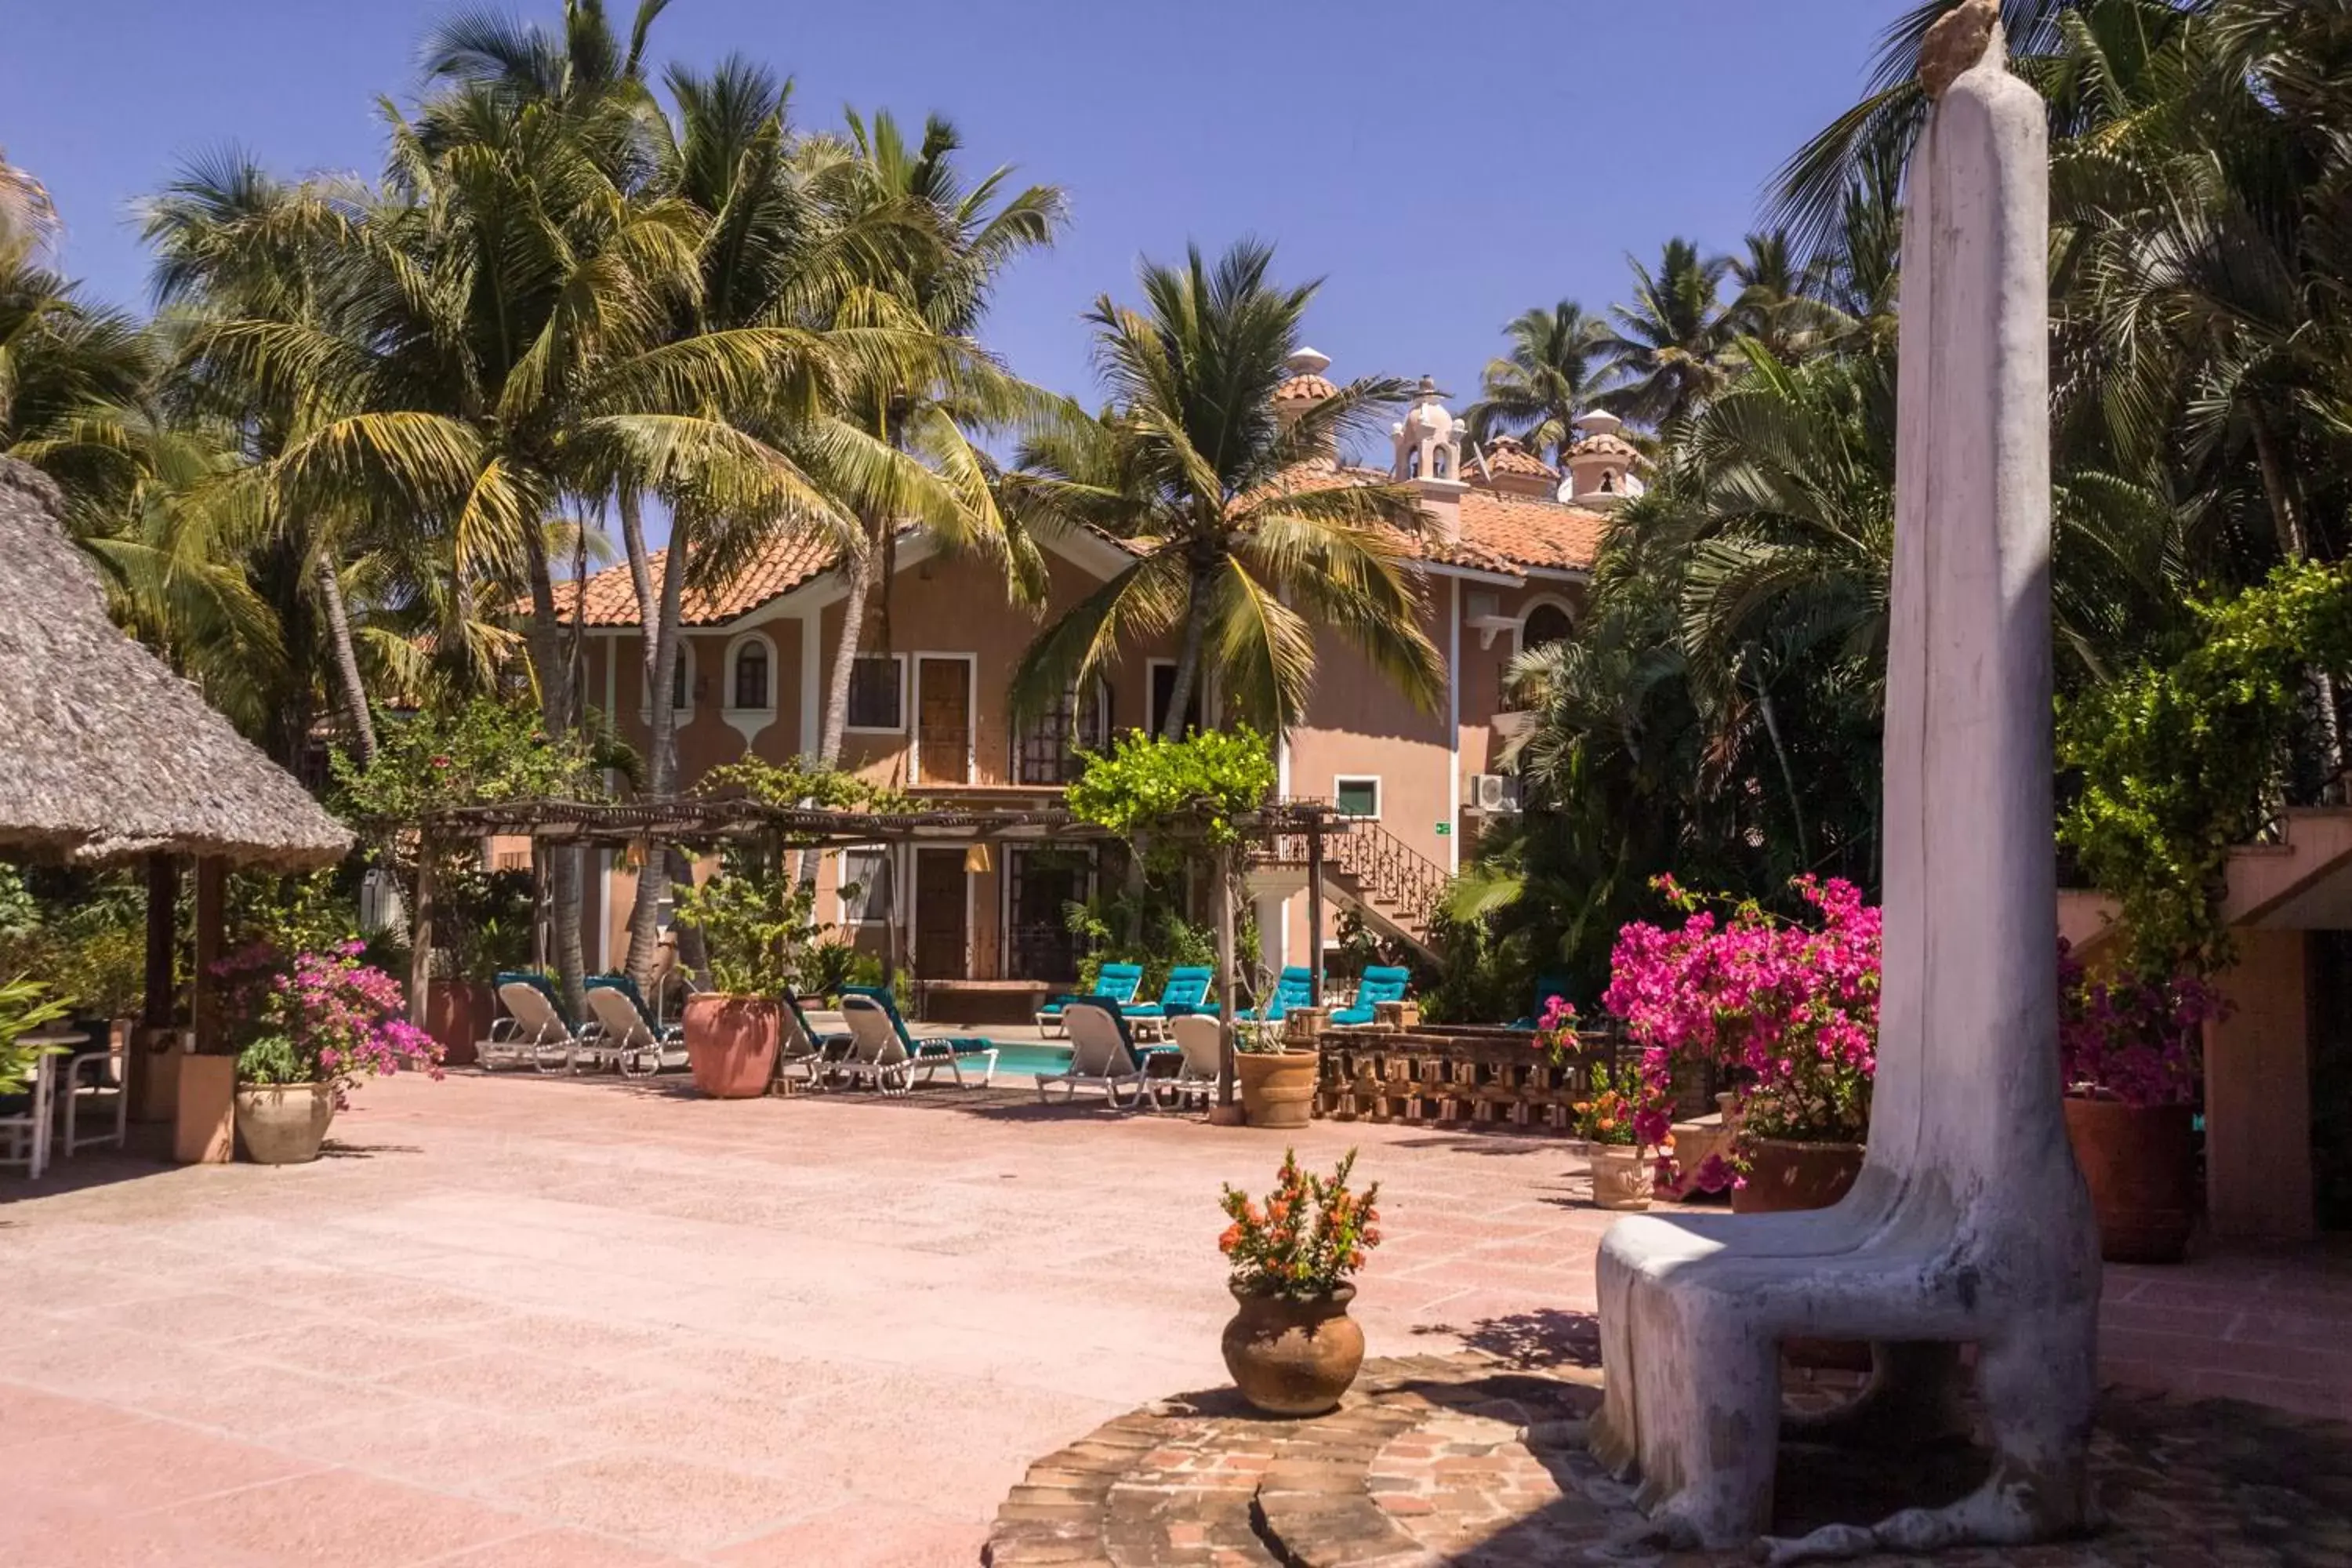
(2128, 1047)
(752, 923)
(1277, 1083)
(308, 1032)
(1291, 1347)
(1791, 1009)
(1622, 1144)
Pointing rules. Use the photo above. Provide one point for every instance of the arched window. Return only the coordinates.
(1437, 463)
(752, 675)
(1545, 625)
(1608, 481)
(1412, 464)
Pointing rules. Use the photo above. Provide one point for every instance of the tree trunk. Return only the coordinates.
(545, 640)
(661, 772)
(347, 658)
(1188, 657)
(858, 576)
(1788, 774)
(641, 575)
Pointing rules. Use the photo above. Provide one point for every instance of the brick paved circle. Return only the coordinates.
(1467, 1462)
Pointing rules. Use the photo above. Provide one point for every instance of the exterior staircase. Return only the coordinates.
(1398, 889)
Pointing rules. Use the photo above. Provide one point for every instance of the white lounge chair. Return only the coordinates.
(1102, 1055)
(875, 1049)
(1201, 1038)
(533, 1034)
(628, 1038)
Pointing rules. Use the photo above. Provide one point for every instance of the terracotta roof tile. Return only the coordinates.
(1506, 456)
(1612, 446)
(1500, 533)
(1304, 389)
(1532, 532)
(783, 565)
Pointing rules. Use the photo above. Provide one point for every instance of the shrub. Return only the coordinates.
(1309, 1237)
(2129, 1037)
(1792, 1009)
(23, 1009)
(321, 1017)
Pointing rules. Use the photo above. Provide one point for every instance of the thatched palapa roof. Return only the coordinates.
(104, 752)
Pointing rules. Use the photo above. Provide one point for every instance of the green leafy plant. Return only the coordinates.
(1310, 1236)
(756, 925)
(1172, 798)
(2180, 762)
(25, 1006)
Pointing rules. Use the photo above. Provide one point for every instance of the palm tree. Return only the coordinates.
(1778, 304)
(1247, 537)
(1551, 374)
(1671, 344)
(969, 237)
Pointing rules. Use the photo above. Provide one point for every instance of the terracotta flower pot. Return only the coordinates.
(1623, 1176)
(1291, 1357)
(1278, 1087)
(283, 1124)
(1784, 1175)
(2140, 1164)
(458, 1015)
(731, 1044)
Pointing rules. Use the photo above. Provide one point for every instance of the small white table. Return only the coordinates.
(35, 1139)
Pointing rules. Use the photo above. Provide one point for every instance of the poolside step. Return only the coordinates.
(1469, 1461)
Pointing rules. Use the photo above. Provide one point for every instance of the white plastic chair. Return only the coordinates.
(875, 1051)
(25, 1134)
(1101, 1057)
(1201, 1038)
(88, 1076)
(533, 1034)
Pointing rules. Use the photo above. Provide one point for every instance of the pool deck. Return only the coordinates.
(514, 1321)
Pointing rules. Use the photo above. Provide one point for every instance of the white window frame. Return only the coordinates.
(687, 669)
(1379, 794)
(909, 707)
(775, 673)
(900, 728)
(841, 878)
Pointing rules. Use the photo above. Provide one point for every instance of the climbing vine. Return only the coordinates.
(2179, 762)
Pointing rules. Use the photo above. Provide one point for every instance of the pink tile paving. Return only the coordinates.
(518, 1321)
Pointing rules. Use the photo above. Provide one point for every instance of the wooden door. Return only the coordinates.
(942, 720)
(942, 933)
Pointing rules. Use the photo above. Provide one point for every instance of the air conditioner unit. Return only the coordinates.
(1494, 794)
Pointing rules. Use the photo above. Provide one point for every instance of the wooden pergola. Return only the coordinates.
(712, 821)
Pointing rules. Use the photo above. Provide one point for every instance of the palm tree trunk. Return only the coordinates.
(641, 571)
(1788, 774)
(661, 781)
(1188, 655)
(347, 661)
(545, 640)
(857, 575)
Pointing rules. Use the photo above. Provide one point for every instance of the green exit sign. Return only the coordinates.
(1445, 831)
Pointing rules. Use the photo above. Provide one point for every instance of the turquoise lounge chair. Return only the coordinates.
(1187, 991)
(1114, 982)
(1549, 985)
(1381, 982)
(819, 1053)
(927, 1052)
(627, 1034)
(1293, 988)
(1104, 1055)
(537, 1031)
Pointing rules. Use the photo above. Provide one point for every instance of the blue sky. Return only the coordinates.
(1441, 169)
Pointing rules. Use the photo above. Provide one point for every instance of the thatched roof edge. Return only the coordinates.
(105, 753)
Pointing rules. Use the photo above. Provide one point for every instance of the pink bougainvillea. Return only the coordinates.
(324, 1017)
(2131, 1037)
(1793, 1008)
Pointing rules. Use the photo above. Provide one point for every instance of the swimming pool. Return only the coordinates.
(1028, 1060)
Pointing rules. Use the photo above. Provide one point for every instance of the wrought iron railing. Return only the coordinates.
(1405, 885)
